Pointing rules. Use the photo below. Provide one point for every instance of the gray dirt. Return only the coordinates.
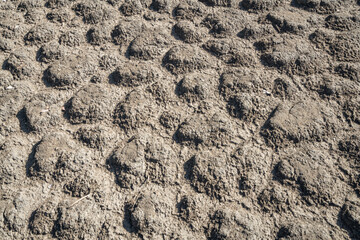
(180, 119)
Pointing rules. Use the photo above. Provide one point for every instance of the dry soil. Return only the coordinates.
(180, 119)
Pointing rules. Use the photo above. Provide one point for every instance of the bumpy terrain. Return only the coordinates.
(180, 119)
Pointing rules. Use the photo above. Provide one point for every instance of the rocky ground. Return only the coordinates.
(180, 119)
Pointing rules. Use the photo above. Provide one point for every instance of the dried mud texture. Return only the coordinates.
(89, 105)
(350, 215)
(229, 224)
(185, 59)
(93, 11)
(71, 38)
(55, 156)
(230, 53)
(149, 45)
(313, 174)
(299, 59)
(80, 222)
(344, 47)
(125, 32)
(305, 231)
(214, 176)
(141, 159)
(201, 130)
(135, 111)
(134, 75)
(222, 27)
(97, 137)
(96, 36)
(40, 34)
(342, 22)
(188, 32)
(150, 215)
(197, 87)
(43, 112)
(20, 65)
(189, 10)
(179, 119)
(43, 219)
(321, 6)
(261, 5)
(50, 52)
(241, 92)
(284, 22)
(302, 121)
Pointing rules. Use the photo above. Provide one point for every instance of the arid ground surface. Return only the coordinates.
(180, 119)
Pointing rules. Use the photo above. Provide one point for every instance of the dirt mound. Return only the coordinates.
(236, 225)
(149, 45)
(185, 59)
(298, 123)
(179, 119)
(133, 75)
(89, 105)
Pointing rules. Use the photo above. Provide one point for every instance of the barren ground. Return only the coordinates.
(180, 119)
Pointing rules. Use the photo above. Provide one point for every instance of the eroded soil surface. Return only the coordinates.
(180, 119)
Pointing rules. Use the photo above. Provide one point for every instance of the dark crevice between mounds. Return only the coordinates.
(114, 170)
(241, 7)
(282, 233)
(188, 168)
(235, 108)
(259, 46)
(175, 138)
(217, 3)
(127, 223)
(267, 61)
(266, 127)
(23, 121)
(266, 124)
(57, 225)
(31, 220)
(4, 66)
(175, 34)
(66, 108)
(46, 76)
(340, 222)
(89, 37)
(38, 55)
(179, 90)
(294, 3)
(112, 78)
(128, 51)
(275, 172)
(31, 160)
